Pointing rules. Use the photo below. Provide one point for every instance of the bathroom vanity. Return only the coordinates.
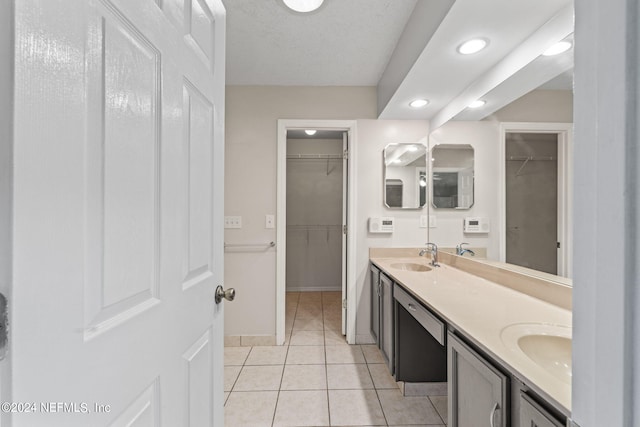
(499, 339)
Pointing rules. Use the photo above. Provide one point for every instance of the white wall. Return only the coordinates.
(314, 216)
(545, 106)
(373, 136)
(484, 137)
(250, 161)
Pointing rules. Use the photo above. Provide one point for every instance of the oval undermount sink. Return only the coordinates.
(410, 266)
(548, 346)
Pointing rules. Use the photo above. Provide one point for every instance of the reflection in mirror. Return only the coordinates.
(452, 176)
(405, 176)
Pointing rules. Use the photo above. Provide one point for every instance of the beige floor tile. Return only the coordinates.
(230, 376)
(333, 325)
(441, 403)
(250, 409)
(355, 408)
(304, 377)
(310, 296)
(302, 408)
(235, 355)
(382, 379)
(309, 311)
(259, 378)
(399, 409)
(306, 355)
(372, 353)
(334, 338)
(307, 338)
(267, 355)
(344, 354)
(308, 324)
(348, 377)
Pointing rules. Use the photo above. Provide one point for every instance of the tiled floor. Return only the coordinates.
(316, 379)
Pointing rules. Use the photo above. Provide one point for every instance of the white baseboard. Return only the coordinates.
(364, 339)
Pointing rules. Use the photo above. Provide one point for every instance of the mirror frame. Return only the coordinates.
(384, 176)
(432, 170)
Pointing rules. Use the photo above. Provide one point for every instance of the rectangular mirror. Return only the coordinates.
(405, 176)
(452, 176)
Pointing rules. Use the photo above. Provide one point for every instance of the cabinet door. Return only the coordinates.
(375, 303)
(533, 415)
(477, 390)
(386, 319)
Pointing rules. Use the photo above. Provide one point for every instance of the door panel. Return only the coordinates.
(117, 238)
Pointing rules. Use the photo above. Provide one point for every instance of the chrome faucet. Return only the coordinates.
(434, 253)
(461, 251)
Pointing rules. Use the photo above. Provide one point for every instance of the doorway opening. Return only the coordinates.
(535, 197)
(315, 251)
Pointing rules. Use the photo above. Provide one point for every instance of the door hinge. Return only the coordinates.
(345, 229)
(345, 154)
(558, 245)
(344, 303)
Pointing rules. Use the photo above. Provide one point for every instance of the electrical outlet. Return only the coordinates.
(424, 221)
(269, 221)
(432, 221)
(232, 222)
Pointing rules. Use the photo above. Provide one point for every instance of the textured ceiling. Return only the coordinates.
(344, 43)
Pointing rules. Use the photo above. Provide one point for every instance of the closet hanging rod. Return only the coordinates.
(531, 159)
(315, 156)
(250, 245)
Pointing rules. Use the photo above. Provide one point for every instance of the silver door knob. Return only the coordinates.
(229, 294)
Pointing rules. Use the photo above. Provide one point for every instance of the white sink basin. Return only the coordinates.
(410, 266)
(548, 346)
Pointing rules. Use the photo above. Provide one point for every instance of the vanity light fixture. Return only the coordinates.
(310, 132)
(558, 48)
(477, 104)
(303, 6)
(472, 46)
(418, 103)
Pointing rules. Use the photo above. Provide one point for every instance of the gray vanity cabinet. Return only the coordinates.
(382, 314)
(477, 391)
(534, 415)
(386, 321)
(375, 302)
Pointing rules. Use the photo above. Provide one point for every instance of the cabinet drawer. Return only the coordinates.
(432, 324)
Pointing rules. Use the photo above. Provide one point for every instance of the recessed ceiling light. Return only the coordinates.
(472, 46)
(477, 104)
(418, 103)
(413, 148)
(310, 132)
(397, 161)
(303, 6)
(557, 48)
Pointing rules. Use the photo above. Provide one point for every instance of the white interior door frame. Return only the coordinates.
(281, 218)
(565, 187)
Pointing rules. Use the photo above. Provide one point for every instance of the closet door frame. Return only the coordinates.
(281, 220)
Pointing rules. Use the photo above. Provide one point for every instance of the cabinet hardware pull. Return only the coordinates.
(492, 415)
(412, 307)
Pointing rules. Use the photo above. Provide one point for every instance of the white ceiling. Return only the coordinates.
(344, 43)
(404, 47)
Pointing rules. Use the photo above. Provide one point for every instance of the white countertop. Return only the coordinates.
(481, 310)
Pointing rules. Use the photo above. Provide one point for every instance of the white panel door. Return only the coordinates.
(117, 213)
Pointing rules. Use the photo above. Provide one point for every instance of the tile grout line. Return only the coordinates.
(284, 364)
(326, 372)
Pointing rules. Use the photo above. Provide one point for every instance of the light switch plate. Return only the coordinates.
(232, 222)
(424, 221)
(432, 221)
(269, 221)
